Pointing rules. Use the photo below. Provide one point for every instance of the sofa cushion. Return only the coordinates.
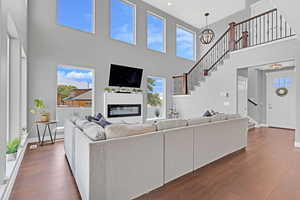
(218, 117)
(81, 122)
(233, 116)
(123, 130)
(170, 123)
(93, 131)
(198, 120)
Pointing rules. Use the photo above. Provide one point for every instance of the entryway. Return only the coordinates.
(267, 94)
(281, 96)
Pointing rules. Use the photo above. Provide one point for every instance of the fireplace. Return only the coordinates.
(124, 110)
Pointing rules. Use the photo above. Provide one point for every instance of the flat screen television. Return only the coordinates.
(122, 76)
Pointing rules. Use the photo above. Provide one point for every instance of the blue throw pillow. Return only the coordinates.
(99, 119)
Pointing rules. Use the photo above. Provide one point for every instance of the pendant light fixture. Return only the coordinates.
(207, 35)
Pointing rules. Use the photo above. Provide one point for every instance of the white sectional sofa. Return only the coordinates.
(128, 167)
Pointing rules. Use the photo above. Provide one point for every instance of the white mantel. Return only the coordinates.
(123, 98)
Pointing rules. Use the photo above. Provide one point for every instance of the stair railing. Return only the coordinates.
(261, 29)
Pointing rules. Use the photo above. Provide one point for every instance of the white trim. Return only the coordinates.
(12, 179)
(297, 144)
(262, 125)
(47, 138)
(164, 33)
(194, 41)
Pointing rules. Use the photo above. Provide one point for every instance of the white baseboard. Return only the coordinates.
(47, 138)
(297, 144)
(262, 125)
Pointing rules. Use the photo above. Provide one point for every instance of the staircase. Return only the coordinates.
(261, 29)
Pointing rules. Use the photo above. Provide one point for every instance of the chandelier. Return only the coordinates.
(207, 35)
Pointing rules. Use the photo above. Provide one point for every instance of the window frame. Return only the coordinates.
(164, 107)
(93, 32)
(134, 21)
(93, 84)
(164, 31)
(194, 42)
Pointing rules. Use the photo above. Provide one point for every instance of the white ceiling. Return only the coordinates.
(192, 11)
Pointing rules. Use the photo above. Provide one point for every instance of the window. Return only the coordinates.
(155, 33)
(185, 43)
(156, 98)
(74, 93)
(122, 21)
(282, 82)
(77, 14)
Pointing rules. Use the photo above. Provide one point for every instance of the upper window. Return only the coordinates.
(122, 21)
(185, 43)
(76, 14)
(155, 33)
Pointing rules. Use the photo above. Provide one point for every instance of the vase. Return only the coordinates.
(45, 118)
(11, 156)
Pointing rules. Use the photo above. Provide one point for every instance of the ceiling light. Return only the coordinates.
(276, 66)
(170, 4)
(207, 35)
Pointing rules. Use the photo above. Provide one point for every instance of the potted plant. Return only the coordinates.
(12, 149)
(40, 108)
(109, 90)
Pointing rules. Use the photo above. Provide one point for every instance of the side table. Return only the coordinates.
(46, 126)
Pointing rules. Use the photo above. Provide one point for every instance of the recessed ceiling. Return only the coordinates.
(192, 11)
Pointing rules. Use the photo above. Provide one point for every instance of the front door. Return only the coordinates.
(281, 99)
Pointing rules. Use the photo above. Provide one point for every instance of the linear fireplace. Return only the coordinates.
(124, 110)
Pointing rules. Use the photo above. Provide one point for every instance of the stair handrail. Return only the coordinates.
(215, 44)
(242, 35)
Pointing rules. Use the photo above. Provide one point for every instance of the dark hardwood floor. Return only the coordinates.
(269, 169)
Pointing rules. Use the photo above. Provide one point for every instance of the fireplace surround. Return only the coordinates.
(120, 107)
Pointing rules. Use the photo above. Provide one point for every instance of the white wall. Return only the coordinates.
(51, 45)
(210, 94)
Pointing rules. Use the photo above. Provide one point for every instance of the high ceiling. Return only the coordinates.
(192, 11)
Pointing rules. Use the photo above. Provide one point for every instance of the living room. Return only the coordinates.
(160, 81)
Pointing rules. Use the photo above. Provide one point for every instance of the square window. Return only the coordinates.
(77, 14)
(155, 33)
(185, 43)
(122, 21)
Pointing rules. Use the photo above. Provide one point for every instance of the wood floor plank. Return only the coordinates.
(267, 170)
